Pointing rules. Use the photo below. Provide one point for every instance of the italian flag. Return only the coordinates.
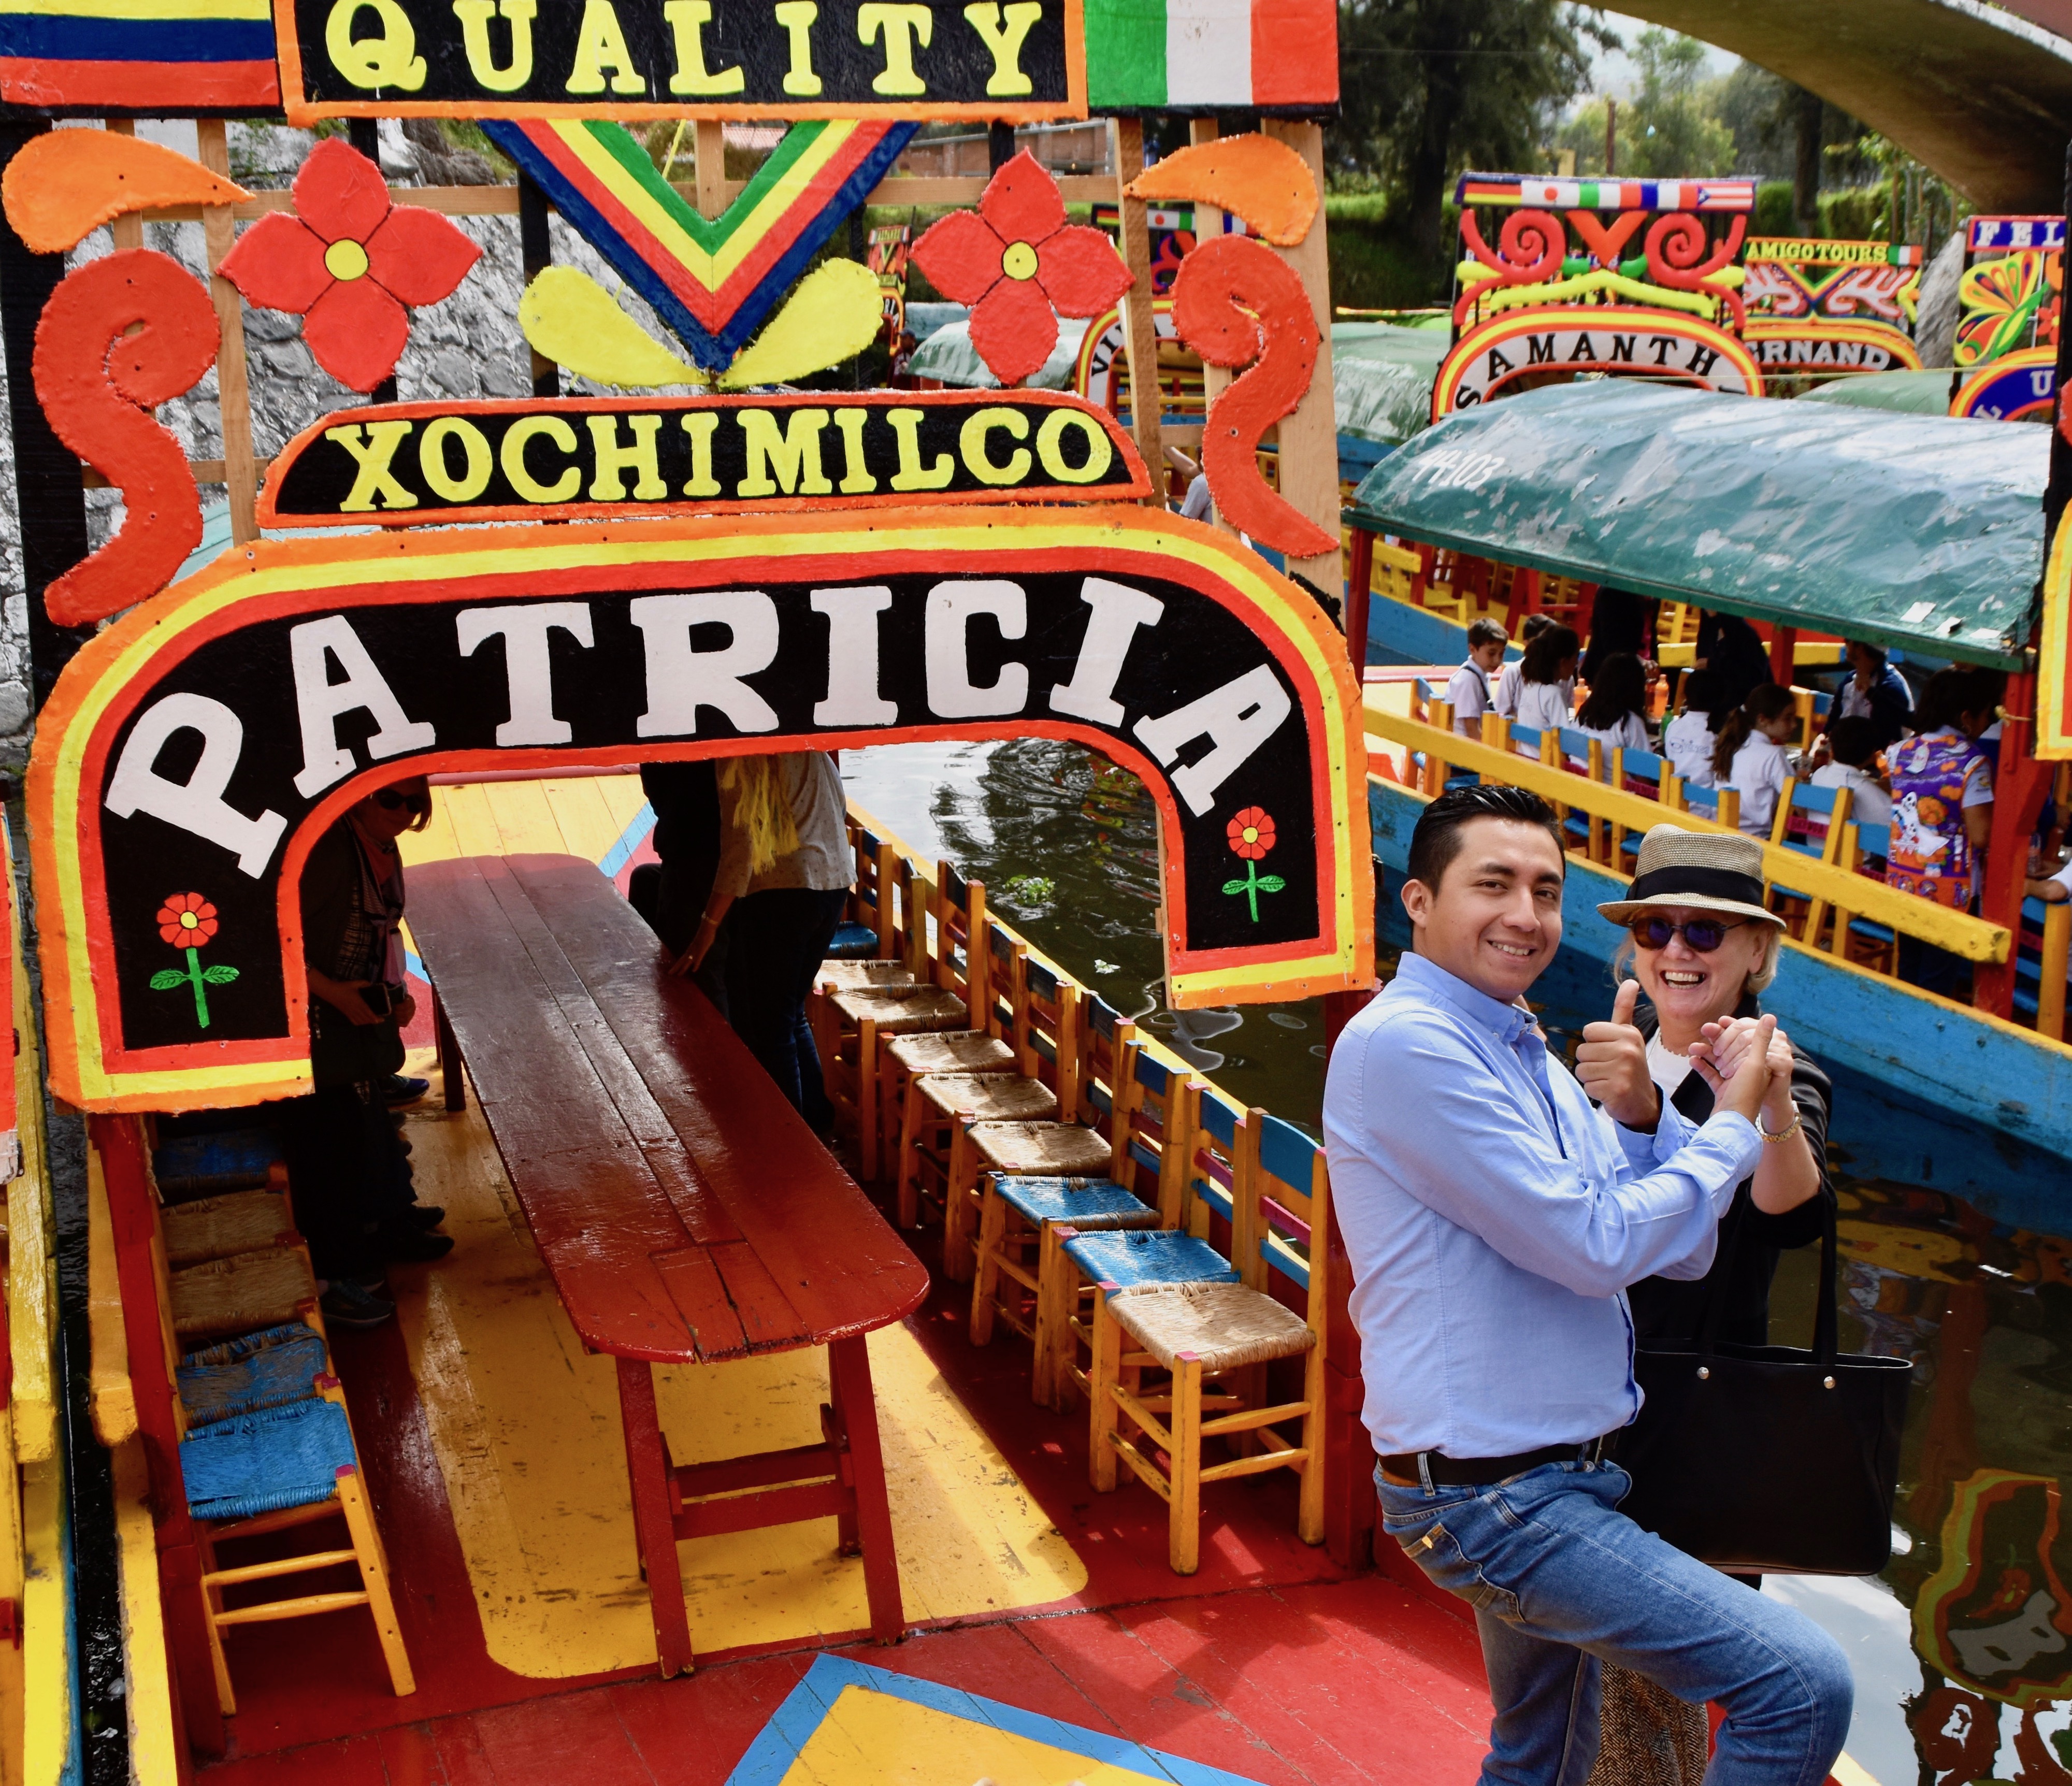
(1177, 54)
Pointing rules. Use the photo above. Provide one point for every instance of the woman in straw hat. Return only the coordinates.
(1703, 947)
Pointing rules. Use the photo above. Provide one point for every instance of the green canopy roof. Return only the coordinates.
(1381, 378)
(1923, 532)
(1903, 393)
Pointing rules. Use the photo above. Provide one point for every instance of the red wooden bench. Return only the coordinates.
(685, 1212)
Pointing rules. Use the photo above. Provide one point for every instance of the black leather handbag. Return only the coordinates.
(1767, 1458)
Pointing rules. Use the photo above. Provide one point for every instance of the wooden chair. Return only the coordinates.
(1865, 851)
(879, 869)
(964, 960)
(222, 1227)
(1019, 1215)
(1050, 1053)
(1195, 1187)
(1204, 1334)
(1580, 754)
(285, 1466)
(1652, 777)
(1721, 805)
(1809, 822)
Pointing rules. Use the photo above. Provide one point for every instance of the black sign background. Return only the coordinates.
(954, 65)
(1197, 646)
(315, 475)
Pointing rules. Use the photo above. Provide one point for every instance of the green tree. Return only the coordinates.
(1668, 128)
(1432, 87)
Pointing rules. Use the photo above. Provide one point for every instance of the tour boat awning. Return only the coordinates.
(1921, 532)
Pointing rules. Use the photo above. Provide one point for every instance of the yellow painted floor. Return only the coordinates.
(527, 1433)
(582, 815)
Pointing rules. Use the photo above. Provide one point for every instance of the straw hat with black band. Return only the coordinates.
(1708, 870)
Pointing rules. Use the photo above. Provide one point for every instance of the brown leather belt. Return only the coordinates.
(1472, 1472)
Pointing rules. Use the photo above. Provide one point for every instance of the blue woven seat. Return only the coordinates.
(286, 1456)
(261, 1370)
(851, 942)
(208, 1165)
(1155, 1255)
(1089, 1203)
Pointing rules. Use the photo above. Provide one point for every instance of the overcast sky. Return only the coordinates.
(1616, 74)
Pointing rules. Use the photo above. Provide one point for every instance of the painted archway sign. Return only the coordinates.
(196, 748)
(2021, 386)
(1513, 349)
(1815, 344)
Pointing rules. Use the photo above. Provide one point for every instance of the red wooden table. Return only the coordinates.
(685, 1213)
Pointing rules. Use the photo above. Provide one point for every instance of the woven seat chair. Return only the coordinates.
(254, 1371)
(973, 958)
(220, 1227)
(861, 976)
(1224, 1334)
(242, 1294)
(281, 1467)
(211, 1165)
(850, 1065)
(1021, 1276)
(1208, 1168)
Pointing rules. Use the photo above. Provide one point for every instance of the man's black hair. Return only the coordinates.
(1436, 840)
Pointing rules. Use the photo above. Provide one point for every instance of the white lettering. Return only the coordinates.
(322, 703)
(1118, 611)
(528, 664)
(196, 805)
(952, 693)
(681, 680)
(1239, 717)
(853, 698)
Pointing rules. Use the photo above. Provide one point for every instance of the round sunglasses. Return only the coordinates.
(394, 799)
(1703, 934)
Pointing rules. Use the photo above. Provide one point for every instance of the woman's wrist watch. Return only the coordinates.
(1791, 1128)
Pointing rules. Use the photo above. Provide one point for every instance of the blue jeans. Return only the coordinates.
(1560, 1580)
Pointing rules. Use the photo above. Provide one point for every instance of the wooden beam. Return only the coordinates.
(712, 199)
(1140, 331)
(233, 392)
(1310, 438)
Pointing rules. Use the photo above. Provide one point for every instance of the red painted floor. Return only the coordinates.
(1270, 1662)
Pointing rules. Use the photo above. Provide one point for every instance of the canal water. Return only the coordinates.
(1963, 1645)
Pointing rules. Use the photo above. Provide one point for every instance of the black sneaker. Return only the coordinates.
(347, 1304)
(400, 1246)
(426, 1215)
(399, 1088)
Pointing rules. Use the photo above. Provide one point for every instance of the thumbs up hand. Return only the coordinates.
(1611, 1065)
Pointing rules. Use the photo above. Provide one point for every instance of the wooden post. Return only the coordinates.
(711, 167)
(233, 394)
(2056, 956)
(1359, 589)
(2020, 784)
(1783, 656)
(1139, 328)
(1310, 438)
(535, 248)
(1209, 225)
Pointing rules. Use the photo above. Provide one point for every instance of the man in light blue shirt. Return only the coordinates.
(1494, 1216)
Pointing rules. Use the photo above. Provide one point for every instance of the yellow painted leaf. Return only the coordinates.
(573, 320)
(834, 313)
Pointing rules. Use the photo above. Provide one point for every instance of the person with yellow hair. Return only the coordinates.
(783, 876)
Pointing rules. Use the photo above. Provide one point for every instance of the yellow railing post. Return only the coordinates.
(2050, 989)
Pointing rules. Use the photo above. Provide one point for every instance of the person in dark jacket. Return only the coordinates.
(1704, 948)
(1873, 690)
(1620, 621)
(1734, 651)
(347, 1175)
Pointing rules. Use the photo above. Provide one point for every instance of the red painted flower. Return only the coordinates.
(347, 262)
(187, 920)
(1250, 833)
(1015, 260)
